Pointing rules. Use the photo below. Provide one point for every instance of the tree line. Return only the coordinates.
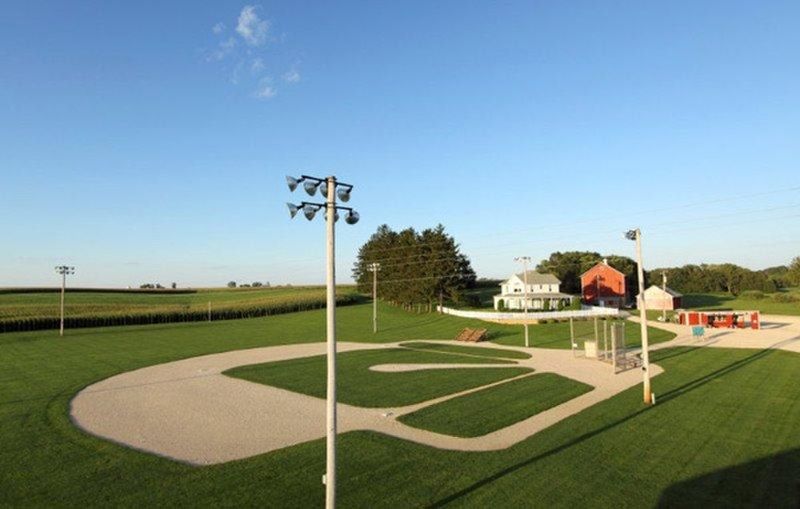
(416, 267)
(704, 278)
(728, 278)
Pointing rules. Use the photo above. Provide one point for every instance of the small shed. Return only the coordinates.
(657, 298)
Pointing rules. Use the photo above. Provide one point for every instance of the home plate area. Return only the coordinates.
(222, 407)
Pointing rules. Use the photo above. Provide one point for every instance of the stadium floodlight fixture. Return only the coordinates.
(352, 217)
(64, 271)
(329, 187)
(311, 187)
(344, 193)
(636, 235)
(310, 210)
(292, 182)
(335, 215)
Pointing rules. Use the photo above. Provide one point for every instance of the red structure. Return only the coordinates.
(604, 286)
(721, 319)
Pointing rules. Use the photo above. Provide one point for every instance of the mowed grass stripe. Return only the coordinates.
(478, 351)
(494, 408)
(358, 385)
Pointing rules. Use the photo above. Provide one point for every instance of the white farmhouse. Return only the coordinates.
(543, 292)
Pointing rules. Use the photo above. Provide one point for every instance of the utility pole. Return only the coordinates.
(524, 260)
(664, 297)
(63, 270)
(329, 188)
(637, 236)
(330, 469)
(374, 268)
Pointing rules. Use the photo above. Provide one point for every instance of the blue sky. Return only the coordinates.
(148, 141)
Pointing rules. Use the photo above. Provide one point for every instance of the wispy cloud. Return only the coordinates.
(241, 50)
(291, 76)
(257, 65)
(251, 27)
(265, 89)
(224, 49)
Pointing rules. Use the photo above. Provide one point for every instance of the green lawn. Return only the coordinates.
(557, 335)
(724, 433)
(745, 302)
(357, 385)
(481, 352)
(494, 408)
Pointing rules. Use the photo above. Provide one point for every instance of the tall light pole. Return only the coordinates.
(524, 260)
(374, 267)
(329, 188)
(63, 270)
(664, 297)
(637, 236)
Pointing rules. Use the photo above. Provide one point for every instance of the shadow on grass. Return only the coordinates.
(773, 481)
(662, 400)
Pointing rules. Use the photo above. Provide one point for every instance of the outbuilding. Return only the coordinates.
(657, 298)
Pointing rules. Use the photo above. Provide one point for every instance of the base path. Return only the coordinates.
(189, 411)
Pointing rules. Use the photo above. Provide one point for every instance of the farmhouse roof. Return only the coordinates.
(537, 278)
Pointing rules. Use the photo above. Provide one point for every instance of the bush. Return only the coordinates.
(752, 294)
(786, 297)
(501, 305)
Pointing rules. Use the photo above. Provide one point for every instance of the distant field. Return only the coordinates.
(39, 309)
(786, 302)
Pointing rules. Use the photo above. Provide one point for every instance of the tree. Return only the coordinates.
(174, 285)
(793, 274)
(570, 265)
(231, 284)
(256, 284)
(416, 267)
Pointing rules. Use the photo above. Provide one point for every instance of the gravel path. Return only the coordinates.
(777, 332)
(188, 411)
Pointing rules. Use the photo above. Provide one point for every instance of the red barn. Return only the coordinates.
(604, 286)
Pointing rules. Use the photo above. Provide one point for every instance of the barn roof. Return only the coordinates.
(603, 263)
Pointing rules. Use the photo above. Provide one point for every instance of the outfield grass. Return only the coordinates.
(723, 434)
(557, 335)
(357, 385)
(494, 408)
(745, 302)
(501, 353)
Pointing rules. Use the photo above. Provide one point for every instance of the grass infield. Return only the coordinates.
(494, 408)
(459, 349)
(358, 385)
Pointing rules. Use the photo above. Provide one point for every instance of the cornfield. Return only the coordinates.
(39, 309)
